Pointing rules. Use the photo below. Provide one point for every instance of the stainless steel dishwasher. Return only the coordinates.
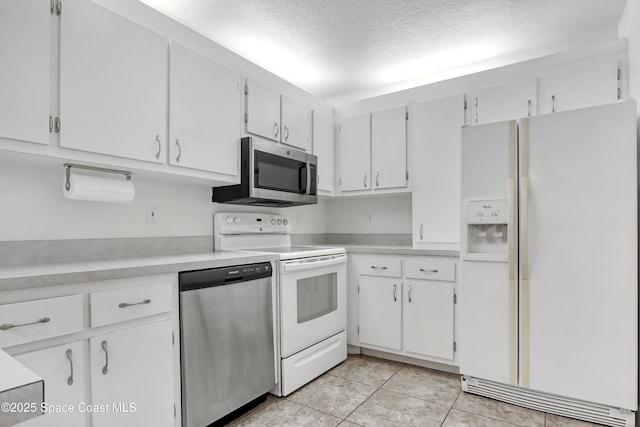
(226, 346)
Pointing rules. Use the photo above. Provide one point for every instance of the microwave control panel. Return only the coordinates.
(245, 222)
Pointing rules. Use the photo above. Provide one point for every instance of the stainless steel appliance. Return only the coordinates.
(311, 293)
(271, 175)
(227, 343)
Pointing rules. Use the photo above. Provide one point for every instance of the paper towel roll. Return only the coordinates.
(114, 189)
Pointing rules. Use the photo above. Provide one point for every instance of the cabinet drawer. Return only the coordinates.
(120, 305)
(36, 320)
(431, 269)
(381, 266)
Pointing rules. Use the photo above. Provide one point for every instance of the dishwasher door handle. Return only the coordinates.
(289, 266)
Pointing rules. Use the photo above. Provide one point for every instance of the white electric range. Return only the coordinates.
(310, 296)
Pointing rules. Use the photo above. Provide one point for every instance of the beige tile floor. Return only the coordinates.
(367, 391)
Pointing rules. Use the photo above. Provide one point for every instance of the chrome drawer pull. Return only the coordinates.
(6, 326)
(126, 304)
(378, 268)
(105, 368)
(69, 354)
(428, 271)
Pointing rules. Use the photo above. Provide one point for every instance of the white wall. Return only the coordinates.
(385, 214)
(32, 207)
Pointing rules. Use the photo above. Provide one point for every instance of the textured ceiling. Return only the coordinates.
(335, 47)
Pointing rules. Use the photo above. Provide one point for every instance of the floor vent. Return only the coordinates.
(578, 409)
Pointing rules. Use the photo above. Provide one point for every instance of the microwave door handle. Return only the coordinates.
(308, 192)
(288, 267)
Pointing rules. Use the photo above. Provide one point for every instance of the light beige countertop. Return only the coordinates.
(18, 387)
(399, 250)
(49, 274)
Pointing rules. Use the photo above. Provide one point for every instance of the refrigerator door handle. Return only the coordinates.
(523, 222)
(512, 252)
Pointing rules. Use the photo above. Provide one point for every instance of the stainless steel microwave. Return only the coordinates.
(272, 174)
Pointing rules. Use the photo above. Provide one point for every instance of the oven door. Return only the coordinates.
(313, 298)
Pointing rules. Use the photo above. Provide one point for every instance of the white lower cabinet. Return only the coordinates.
(427, 318)
(380, 312)
(130, 377)
(62, 368)
(412, 314)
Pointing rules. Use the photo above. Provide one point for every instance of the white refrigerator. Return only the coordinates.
(549, 263)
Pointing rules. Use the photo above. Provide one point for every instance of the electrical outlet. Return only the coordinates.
(298, 219)
(370, 218)
(152, 214)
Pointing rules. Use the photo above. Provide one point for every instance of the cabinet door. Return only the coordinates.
(389, 148)
(323, 148)
(133, 367)
(25, 27)
(113, 84)
(295, 123)
(263, 111)
(204, 113)
(62, 368)
(380, 311)
(355, 153)
(436, 170)
(505, 102)
(428, 318)
(578, 85)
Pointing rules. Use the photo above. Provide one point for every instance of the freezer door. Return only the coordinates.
(578, 248)
(487, 295)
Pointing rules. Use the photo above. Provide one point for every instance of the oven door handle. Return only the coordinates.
(301, 265)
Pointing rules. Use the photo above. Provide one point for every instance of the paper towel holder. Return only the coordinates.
(67, 184)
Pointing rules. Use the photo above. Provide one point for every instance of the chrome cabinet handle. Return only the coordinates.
(105, 368)
(365, 180)
(421, 228)
(276, 129)
(179, 150)
(377, 179)
(286, 133)
(126, 304)
(410, 289)
(428, 271)
(395, 293)
(69, 354)
(6, 326)
(159, 146)
(528, 108)
(553, 103)
(378, 268)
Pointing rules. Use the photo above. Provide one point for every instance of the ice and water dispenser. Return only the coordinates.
(487, 231)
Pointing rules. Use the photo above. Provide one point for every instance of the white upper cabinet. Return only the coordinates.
(355, 153)
(505, 102)
(436, 170)
(295, 123)
(578, 85)
(324, 149)
(204, 112)
(263, 111)
(25, 70)
(276, 117)
(389, 148)
(113, 84)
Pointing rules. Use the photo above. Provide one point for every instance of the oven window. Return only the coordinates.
(317, 296)
(273, 172)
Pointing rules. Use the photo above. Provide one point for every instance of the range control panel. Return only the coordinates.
(244, 223)
(487, 212)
